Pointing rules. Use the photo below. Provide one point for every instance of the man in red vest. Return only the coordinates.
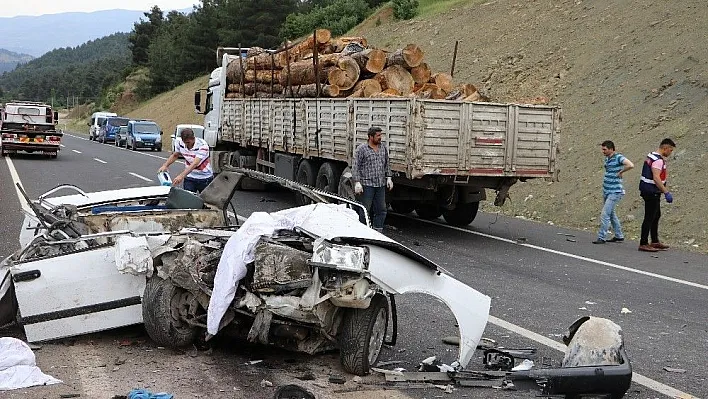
(651, 185)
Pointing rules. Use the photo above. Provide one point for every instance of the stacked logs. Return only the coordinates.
(322, 66)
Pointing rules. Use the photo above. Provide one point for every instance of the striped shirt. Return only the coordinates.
(612, 183)
(200, 150)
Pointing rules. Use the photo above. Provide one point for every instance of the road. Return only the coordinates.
(541, 278)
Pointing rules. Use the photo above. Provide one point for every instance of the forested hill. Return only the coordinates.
(82, 71)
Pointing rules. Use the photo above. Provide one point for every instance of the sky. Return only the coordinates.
(39, 7)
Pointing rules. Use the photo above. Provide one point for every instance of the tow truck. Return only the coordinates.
(30, 127)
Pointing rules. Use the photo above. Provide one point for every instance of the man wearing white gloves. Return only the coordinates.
(372, 176)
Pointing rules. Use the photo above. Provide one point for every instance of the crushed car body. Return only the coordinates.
(310, 278)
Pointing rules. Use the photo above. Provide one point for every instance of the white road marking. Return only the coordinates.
(77, 151)
(99, 160)
(140, 177)
(566, 254)
(636, 377)
(134, 152)
(62, 145)
(15, 181)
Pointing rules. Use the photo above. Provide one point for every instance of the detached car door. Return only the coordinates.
(76, 293)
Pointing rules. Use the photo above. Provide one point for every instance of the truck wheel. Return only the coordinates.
(462, 215)
(362, 335)
(428, 212)
(403, 206)
(305, 175)
(328, 177)
(163, 303)
(346, 185)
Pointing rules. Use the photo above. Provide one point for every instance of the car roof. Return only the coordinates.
(184, 126)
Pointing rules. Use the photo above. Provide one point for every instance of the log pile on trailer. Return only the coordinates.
(322, 66)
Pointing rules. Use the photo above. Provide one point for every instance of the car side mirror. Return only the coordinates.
(161, 132)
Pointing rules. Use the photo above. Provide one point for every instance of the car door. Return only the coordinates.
(76, 293)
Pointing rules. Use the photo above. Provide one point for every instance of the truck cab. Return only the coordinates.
(30, 127)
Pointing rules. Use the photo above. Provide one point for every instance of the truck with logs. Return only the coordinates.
(300, 112)
(30, 127)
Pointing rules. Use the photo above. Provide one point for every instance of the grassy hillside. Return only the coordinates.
(172, 108)
(633, 72)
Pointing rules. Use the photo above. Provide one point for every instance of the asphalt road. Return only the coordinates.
(541, 278)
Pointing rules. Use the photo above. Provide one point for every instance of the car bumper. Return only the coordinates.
(46, 148)
(142, 144)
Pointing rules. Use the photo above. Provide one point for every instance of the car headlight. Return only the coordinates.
(138, 139)
(341, 257)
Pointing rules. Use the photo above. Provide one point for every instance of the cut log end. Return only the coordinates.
(398, 78)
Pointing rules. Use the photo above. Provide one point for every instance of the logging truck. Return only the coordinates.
(444, 153)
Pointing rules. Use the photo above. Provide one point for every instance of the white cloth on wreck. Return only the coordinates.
(240, 251)
(18, 368)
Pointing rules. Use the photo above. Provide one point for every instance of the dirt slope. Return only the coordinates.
(633, 72)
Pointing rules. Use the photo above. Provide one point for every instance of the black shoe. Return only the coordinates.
(615, 239)
(599, 241)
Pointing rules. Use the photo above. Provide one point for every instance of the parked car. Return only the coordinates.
(320, 280)
(143, 133)
(197, 129)
(121, 136)
(97, 119)
(110, 127)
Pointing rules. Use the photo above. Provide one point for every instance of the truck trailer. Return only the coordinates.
(30, 127)
(444, 154)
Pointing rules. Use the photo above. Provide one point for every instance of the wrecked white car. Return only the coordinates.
(310, 278)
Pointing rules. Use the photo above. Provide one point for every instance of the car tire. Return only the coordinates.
(328, 177)
(346, 185)
(428, 212)
(362, 335)
(403, 207)
(305, 175)
(161, 314)
(462, 215)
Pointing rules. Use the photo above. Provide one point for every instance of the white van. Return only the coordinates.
(97, 119)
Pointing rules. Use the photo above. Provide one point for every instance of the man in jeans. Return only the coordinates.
(651, 185)
(372, 175)
(612, 192)
(197, 172)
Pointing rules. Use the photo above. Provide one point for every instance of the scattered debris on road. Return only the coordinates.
(674, 370)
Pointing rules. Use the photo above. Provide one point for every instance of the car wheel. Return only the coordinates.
(362, 336)
(165, 306)
(328, 177)
(462, 215)
(428, 212)
(305, 175)
(403, 206)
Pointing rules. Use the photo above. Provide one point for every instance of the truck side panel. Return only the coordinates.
(425, 137)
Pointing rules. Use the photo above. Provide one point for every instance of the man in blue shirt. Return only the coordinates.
(612, 192)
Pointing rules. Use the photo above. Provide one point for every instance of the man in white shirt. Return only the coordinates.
(197, 173)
